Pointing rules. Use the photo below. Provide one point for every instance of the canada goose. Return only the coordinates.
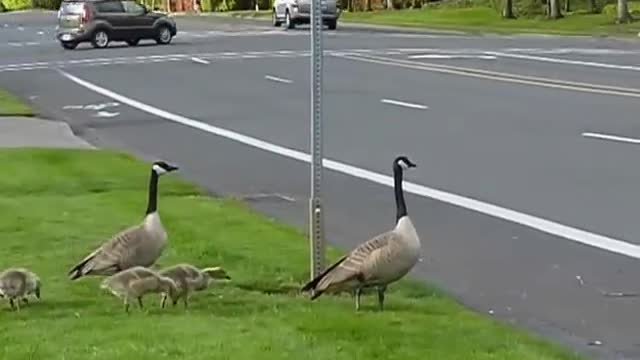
(18, 283)
(381, 260)
(137, 281)
(141, 244)
(189, 278)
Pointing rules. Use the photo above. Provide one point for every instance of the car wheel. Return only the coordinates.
(68, 45)
(274, 19)
(164, 35)
(100, 39)
(133, 42)
(288, 22)
(332, 24)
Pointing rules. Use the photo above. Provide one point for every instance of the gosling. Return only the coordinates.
(138, 281)
(190, 279)
(17, 284)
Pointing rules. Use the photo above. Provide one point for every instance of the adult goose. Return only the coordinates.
(139, 245)
(379, 261)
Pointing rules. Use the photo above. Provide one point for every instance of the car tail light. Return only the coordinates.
(86, 14)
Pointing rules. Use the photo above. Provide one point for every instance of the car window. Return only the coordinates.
(74, 8)
(132, 7)
(110, 7)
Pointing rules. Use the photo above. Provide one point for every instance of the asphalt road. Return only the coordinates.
(498, 119)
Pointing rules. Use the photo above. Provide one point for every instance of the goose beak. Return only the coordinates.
(172, 168)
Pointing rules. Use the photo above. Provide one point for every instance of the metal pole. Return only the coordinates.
(315, 202)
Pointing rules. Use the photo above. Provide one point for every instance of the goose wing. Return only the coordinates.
(351, 266)
(113, 256)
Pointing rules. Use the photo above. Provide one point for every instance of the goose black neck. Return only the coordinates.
(152, 204)
(401, 207)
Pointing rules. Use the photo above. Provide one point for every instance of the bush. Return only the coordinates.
(2, 8)
(611, 10)
(17, 4)
(47, 4)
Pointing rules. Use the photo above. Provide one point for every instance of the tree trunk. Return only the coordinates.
(507, 10)
(567, 6)
(368, 5)
(623, 12)
(554, 9)
(592, 6)
(389, 4)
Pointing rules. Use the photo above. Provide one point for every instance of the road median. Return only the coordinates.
(60, 203)
(473, 20)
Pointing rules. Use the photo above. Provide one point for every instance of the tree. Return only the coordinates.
(554, 9)
(623, 12)
(507, 10)
(567, 6)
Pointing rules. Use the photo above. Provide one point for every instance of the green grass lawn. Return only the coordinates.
(10, 105)
(57, 205)
(483, 19)
(488, 20)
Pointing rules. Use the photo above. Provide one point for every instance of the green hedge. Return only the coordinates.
(17, 4)
(28, 4)
(611, 10)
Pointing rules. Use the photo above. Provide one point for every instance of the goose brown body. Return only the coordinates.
(378, 262)
(139, 245)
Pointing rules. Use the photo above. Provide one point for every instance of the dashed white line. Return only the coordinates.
(200, 61)
(547, 226)
(278, 79)
(405, 104)
(611, 137)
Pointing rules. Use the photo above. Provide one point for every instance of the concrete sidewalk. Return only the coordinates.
(35, 132)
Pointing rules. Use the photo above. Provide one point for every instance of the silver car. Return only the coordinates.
(293, 12)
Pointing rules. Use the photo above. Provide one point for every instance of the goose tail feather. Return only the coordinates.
(313, 283)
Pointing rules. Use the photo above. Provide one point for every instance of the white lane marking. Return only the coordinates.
(278, 79)
(505, 77)
(611, 137)
(564, 231)
(564, 61)
(106, 114)
(200, 61)
(442, 56)
(405, 104)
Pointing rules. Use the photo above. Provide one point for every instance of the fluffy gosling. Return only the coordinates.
(138, 281)
(190, 279)
(17, 284)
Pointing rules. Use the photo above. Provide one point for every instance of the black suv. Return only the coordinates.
(103, 21)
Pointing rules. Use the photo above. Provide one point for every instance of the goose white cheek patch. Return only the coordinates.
(159, 169)
(403, 164)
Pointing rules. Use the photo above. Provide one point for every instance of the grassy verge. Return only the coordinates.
(10, 105)
(488, 20)
(58, 204)
(483, 19)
